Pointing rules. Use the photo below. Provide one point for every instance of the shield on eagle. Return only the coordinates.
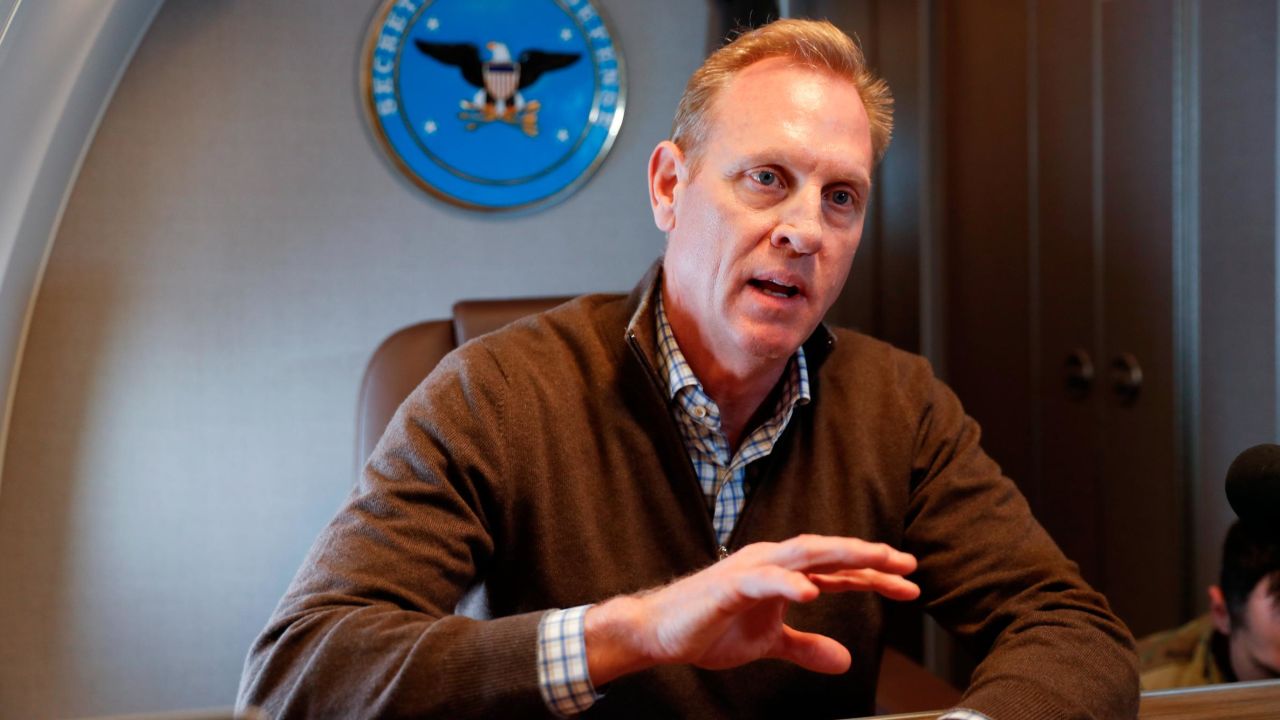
(501, 79)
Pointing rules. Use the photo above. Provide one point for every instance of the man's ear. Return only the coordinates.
(666, 173)
(1218, 610)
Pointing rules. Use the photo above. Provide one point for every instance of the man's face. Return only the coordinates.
(761, 236)
(1255, 643)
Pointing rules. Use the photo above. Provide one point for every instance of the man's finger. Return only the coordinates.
(770, 582)
(812, 651)
(807, 552)
(894, 587)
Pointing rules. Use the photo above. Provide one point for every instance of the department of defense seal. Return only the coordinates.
(493, 104)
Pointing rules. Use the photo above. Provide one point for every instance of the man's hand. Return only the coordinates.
(732, 613)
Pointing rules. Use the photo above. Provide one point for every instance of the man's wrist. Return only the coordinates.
(613, 637)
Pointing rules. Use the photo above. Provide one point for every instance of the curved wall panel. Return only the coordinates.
(59, 65)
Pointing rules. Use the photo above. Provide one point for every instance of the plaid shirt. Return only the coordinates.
(721, 472)
(562, 647)
(562, 662)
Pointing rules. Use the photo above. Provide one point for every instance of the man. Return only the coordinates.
(1239, 639)
(705, 483)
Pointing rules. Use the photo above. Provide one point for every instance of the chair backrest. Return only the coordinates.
(409, 355)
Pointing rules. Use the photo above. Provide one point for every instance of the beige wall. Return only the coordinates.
(232, 252)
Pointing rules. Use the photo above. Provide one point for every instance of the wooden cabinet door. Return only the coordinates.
(1060, 120)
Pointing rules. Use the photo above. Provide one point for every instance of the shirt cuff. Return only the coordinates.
(963, 714)
(562, 662)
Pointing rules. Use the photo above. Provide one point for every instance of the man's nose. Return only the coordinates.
(799, 227)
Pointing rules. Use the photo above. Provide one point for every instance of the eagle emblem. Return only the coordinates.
(499, 80)
(493, 104)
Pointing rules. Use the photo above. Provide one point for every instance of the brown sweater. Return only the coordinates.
(542, 460)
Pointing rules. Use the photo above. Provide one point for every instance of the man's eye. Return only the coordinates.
(842, 197)
(767, 178)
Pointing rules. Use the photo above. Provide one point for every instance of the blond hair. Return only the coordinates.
(815, 43)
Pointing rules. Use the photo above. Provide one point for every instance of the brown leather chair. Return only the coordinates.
(405, 358)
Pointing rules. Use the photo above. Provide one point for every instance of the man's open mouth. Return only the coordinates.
(775, 289)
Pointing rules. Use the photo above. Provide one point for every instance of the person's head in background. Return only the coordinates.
(1245, 605)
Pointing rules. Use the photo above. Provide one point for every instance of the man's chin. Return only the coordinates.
(773, 346)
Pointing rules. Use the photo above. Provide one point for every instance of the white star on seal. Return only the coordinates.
(433, 24)
(562, 135)
(429, 126)
(566, 35)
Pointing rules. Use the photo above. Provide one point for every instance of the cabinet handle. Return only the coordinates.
(1126, 378)
(1079, 374)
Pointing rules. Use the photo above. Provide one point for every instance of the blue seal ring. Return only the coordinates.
(493, 104)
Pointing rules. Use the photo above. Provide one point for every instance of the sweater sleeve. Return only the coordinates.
(990, 574)
(367, 626)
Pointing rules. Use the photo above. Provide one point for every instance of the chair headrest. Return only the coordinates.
(473, 318)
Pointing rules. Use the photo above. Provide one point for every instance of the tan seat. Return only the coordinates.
(405, 358)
